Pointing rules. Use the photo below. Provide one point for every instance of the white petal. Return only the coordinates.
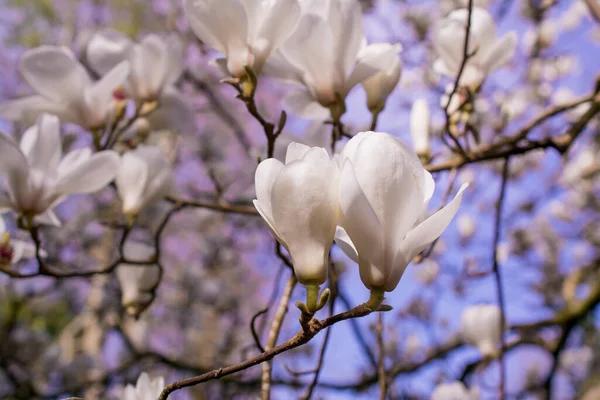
(175, 59)
(430, 229)
(131, 180)
(73, 159)
(343, 241)
(310, 50)
(264, 178)
(106, 49)
(305, 187)
(269, 220)
(23, 251)
(391, 177)
(223, 25)
(279, 67)
(54, 73)
(359, 219)
(345, 20)
(301, 103)
(372, 59)
(13, 163)
(41, 144)
(150, 66)
(276, 26)
(27, 109)
(91, 175)
(295, 151)
(48, 218)
(500, 52)
(99, 96)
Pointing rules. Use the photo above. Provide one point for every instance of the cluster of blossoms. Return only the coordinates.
(371, 199)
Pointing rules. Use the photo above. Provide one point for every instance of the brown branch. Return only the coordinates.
(515, 146)
(220, 207)
(303, 336)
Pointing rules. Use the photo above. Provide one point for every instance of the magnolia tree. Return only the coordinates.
(230, 199)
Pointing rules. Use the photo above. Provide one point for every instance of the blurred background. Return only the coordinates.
(62, 337)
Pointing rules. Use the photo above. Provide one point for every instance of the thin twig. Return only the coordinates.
(274, 334)
(381, 363)
(498, 276)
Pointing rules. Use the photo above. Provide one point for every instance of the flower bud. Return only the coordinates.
(481, 328)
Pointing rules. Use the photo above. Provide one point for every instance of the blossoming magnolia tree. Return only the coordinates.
(228, 199)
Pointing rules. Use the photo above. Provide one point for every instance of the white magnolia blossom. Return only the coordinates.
(298, 200)
(144, 177)
(466, 226)
(480, 327)
(455, 391)
(156, 63)
(489, 52)
(245, 31)
(145, 388)
(380, 86)
(13, 250)
(137, 281)
(64, 88)
(419, 127)
(328, 55)
(384, 194)
(36, 177)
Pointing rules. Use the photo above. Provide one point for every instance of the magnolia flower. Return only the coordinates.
(298, 200)
(328, 55)
(419, 127)
(156, 63)
(137, 281)
(379, 86)
(481, 327)
(145, 388)
(12, 250)
(144, 177)
(454, 391)
(489, 52)
(65, 89)
(245, 31)
(36, 177)
(384, 194)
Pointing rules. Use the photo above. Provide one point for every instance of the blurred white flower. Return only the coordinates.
(13, 250)
(379, 86)
(298, 200)
(466, 226)
(145, 389)
(245, 31)
(480, 325)
(577, 361)
(36, 177)
(328, 55)
(427, 272)
(137, 281)
(64, 88)
(144, 177)
(384, 194)
(455, 391)
(572, 17)
(419, 127)
(563, 95)
(156, 63)
(489, 52)
(447, 6)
